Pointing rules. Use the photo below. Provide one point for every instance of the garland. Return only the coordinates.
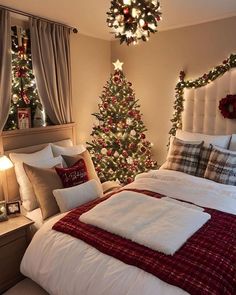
(216, 72)
(133, 20)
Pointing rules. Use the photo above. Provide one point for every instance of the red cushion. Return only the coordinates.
(74, 175)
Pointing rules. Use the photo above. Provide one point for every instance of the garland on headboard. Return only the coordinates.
(216, 72)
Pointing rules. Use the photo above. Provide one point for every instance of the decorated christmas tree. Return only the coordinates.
(24, 93)
(119, 147)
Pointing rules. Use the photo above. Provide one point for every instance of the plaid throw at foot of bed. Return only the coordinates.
(205, 264)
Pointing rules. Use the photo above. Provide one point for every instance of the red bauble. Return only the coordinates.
(143, 149)
(132, 146)
(109, 153)
(143, 136)
(106, 129)
(126, 10)
(116, 79)
(125, 154)
(105, 105)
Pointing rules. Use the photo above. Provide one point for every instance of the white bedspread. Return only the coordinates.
(155, 223)
(64, 265)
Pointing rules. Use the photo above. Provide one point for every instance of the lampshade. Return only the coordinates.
(5, 163)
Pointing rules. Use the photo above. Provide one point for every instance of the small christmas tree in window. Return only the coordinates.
(24, 93)
(119, 147)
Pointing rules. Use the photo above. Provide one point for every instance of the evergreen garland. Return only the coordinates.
(216, 72)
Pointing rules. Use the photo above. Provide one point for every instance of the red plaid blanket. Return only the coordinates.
(205, 264)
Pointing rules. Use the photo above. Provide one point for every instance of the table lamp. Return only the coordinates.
(5, 164)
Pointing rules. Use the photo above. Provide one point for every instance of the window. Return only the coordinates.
(26, 109)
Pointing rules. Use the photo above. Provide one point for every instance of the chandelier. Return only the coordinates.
(133, 20)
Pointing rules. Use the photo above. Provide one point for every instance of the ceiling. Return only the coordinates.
(89, 16)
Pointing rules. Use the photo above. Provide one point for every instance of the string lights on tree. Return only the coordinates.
(216, 72)
(23, 92)
(134, 20)
(119, 147)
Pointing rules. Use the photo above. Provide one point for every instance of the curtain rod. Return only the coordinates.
(74, 30)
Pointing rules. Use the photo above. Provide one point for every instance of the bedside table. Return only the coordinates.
(13, 243)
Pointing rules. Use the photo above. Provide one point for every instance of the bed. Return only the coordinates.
(65, 264)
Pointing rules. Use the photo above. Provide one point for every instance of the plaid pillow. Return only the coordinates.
(184, 156)
(203, 161)
(222, 166)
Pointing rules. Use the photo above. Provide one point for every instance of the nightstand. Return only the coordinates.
(13, 243)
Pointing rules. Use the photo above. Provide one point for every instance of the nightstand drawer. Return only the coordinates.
(13, 243)
(11, 254)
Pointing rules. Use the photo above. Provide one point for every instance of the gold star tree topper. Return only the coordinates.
(118, 65)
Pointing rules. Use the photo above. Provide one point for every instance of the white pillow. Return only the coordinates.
(232, 145)
(40, 155)
(72, 197)
(67, 151)
(219, 140)
(27, 194)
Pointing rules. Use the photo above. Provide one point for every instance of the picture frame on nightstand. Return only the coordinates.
(13, 208)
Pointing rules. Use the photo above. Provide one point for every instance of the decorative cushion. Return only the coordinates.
(72, 197)
(219, 140)
(44, 181)
(38, 159)
(71, 160)
(74, 175)
(222, 166)
(203, 161)
(183, 156)
(69, 151)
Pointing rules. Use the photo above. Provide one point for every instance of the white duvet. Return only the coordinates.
(65, 265)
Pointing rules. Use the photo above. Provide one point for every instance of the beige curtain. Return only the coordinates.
(5, 66)
(50, 47)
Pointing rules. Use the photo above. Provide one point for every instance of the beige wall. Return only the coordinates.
(90, 70)
(153, 68)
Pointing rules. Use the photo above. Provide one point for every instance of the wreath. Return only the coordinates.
(227, 106)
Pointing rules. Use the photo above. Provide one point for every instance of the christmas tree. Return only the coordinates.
(24, 93)
(119, 148)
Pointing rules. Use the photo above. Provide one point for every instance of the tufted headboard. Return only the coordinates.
(196, 106)
(201, 106)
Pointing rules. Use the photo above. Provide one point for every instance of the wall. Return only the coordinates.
(90, 70)
(153, 68)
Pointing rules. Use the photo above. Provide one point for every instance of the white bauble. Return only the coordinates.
(133, 132)
(116, 154)
(130, 160)
(104, 151)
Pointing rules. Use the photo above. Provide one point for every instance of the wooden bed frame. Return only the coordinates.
(29, 141)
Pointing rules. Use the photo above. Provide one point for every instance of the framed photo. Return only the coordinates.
(13, 208)
(3, 211)
(24, 118)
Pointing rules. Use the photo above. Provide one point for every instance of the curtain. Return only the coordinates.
(5, 66)
(50, 48)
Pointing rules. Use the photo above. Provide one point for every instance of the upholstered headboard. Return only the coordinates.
(201, 106)
(29, 141)
(196, 106)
